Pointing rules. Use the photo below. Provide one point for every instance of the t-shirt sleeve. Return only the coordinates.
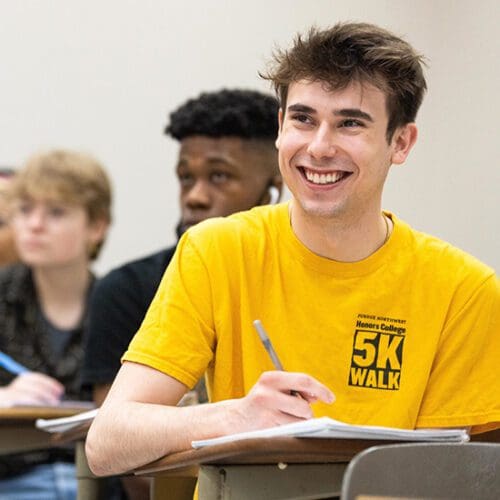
(115, 314)
(177, 335)
(464, 384)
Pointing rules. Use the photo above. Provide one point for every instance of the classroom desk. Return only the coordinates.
(18, 433)
(258, 468)
(277, 468)
(90, 487)
(17, 427)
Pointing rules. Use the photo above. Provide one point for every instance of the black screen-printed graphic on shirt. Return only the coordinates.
(377, 354)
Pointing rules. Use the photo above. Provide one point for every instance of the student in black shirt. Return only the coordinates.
(227, 163)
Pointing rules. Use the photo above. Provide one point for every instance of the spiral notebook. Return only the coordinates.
(326, 427)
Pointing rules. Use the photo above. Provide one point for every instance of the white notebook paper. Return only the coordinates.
(326, 427)
(64, 424)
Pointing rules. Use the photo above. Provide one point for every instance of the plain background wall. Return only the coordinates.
(102, 76)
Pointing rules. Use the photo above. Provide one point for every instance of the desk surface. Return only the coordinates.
(263, 451)
(259, 468)
(275, 450)
(22, 413)
(274, 468)
(17, 426)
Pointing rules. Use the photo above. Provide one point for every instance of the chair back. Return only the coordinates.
(425, 470)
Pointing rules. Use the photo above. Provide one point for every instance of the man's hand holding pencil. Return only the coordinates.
(278, 397)
(270, 402)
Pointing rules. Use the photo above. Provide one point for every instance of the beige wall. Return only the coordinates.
(102, 75)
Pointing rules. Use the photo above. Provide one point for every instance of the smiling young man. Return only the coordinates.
(374, 322)
(335, 155)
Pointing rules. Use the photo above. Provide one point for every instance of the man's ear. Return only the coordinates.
(403, 141)
(280, 124)
(96, 235)
(98, 230)
(277, 182)
(274, 191)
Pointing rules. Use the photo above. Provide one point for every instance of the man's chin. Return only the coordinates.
(182, 228)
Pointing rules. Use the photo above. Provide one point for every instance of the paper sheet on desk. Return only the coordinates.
(326, 427)
(65, 423)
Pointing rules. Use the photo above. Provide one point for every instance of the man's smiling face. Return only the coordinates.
(333, 150)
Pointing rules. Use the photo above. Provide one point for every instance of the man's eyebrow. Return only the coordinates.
(301, 108)
(353, 113)
(218, 157)
(347, 112)
(210, 159)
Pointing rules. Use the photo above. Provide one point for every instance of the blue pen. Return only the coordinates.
(10, 365)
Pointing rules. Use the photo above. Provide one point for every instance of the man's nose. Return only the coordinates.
(199, 195)
(322, 143)
(35, 218)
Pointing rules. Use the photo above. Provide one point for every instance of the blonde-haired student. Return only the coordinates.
(60, 205)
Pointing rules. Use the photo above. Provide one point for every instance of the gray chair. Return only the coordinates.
(425, 470)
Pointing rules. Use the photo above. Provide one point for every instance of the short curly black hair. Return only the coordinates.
(228, 112)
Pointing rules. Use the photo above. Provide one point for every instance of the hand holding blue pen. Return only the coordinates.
(28, 387)
(12, 366)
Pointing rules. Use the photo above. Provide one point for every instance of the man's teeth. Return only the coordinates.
(323, 178)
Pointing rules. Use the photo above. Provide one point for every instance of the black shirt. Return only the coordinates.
(24, 334)
(118, 305)
(28, 338)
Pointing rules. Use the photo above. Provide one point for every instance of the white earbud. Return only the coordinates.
(274, 195)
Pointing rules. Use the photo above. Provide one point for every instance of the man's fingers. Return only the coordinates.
(43, 382)
(279, 397)
(326, 397)
(38, 387)
(293, 405)
(308, 387)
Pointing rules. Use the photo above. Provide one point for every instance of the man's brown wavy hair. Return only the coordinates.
(354, 53)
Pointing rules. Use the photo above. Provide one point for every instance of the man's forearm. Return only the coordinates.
(132, 434)
(128, 433)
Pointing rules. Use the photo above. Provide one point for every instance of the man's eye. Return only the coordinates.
(24, 208)
(301, 118)
(351, 123)
(185, 180)
(219, 177)
(56, 211)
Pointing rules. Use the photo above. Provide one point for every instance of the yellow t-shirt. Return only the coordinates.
(409, 337)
